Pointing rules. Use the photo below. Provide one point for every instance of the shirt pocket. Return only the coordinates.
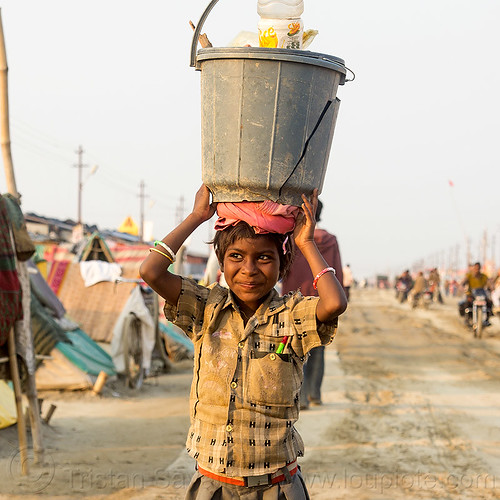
(272, 379)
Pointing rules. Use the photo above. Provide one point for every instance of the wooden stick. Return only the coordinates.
(204, 41)
(21, 424)
(51, 411)
(99, 383)
(36, 425)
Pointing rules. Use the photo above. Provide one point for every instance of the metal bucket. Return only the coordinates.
(268, 117)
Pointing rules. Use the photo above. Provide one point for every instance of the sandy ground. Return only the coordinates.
(411, 410)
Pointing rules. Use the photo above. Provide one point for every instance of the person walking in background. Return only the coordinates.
(300, 277)
(495, 294)
(435, 285)
(348, 279)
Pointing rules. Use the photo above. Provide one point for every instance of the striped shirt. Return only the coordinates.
(244, 397)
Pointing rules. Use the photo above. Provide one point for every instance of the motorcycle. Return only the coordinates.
(477, 311)
(423, 299)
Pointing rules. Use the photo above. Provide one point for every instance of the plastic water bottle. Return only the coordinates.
(280, 25)
(280, 9)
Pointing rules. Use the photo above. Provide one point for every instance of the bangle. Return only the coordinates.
(167, 248)
(161, 253)
(318, 276)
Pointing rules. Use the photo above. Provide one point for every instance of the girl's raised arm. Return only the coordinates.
(154, 269)
(332, 299)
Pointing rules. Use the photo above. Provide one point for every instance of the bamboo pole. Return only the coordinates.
(21, 423)
(20, 326)
(4, 118)
(11, 187)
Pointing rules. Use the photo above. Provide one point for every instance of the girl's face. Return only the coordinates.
(251, 267)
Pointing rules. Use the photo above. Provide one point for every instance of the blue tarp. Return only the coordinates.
(177, 336)
(86, 354)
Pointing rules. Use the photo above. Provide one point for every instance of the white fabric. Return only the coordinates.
(94, 271)
(136, 305)
(212, 269)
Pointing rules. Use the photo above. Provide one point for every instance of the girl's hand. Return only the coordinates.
(306, 221)
(202, 207)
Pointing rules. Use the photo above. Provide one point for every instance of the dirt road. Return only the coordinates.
(411, 410)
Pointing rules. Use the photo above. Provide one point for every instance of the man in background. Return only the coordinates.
(348, 280)
(300, 278)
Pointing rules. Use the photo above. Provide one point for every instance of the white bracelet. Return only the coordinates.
(167, 248)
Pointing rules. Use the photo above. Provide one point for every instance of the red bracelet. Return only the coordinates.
(318, 276)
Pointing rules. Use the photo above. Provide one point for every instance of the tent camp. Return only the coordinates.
(72, 360)
(96, 308)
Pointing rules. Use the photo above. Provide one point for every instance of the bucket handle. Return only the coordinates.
(304, 150)
(197, 32)
(352, 73)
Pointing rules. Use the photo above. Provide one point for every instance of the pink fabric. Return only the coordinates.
(264, 216)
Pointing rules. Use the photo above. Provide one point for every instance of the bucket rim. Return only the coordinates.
(291, 55)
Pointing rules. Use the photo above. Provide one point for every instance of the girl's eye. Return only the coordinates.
(235, 255)
(265, 257)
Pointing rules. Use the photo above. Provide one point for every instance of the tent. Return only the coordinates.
(74, 364)
(96, 249)
(96, 308)
(72, 360)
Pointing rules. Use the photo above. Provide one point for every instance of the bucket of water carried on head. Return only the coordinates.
(268, 117)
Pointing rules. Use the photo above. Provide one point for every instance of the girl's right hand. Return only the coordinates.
(203, 208)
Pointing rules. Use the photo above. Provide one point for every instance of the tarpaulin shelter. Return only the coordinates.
(72, 360)
(96, 308)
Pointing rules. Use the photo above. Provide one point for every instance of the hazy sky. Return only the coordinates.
(114, 77)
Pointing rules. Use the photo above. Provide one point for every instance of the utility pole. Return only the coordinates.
(80, 166)
(493, 262)
(484, 247)
(142, 197)
(179, 213)
(467, 252)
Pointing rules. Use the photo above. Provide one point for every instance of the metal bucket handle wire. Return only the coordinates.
(197, 32)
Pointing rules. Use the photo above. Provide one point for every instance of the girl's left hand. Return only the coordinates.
(203, 208)
(306, 221)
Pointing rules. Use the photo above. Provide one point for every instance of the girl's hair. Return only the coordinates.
(223, 239)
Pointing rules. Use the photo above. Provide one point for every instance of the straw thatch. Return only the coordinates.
(95, 308)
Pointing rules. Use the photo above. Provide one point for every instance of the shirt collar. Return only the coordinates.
(272, 305)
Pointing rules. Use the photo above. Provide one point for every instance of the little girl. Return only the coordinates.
(250, 346)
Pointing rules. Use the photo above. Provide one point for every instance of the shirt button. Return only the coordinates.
(272, 356)
(234, 385)
(229, 428)
(240, 345)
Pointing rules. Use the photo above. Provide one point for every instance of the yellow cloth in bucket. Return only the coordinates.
(8, 414)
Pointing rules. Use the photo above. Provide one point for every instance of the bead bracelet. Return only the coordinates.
(318, 276)
(167, 248)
